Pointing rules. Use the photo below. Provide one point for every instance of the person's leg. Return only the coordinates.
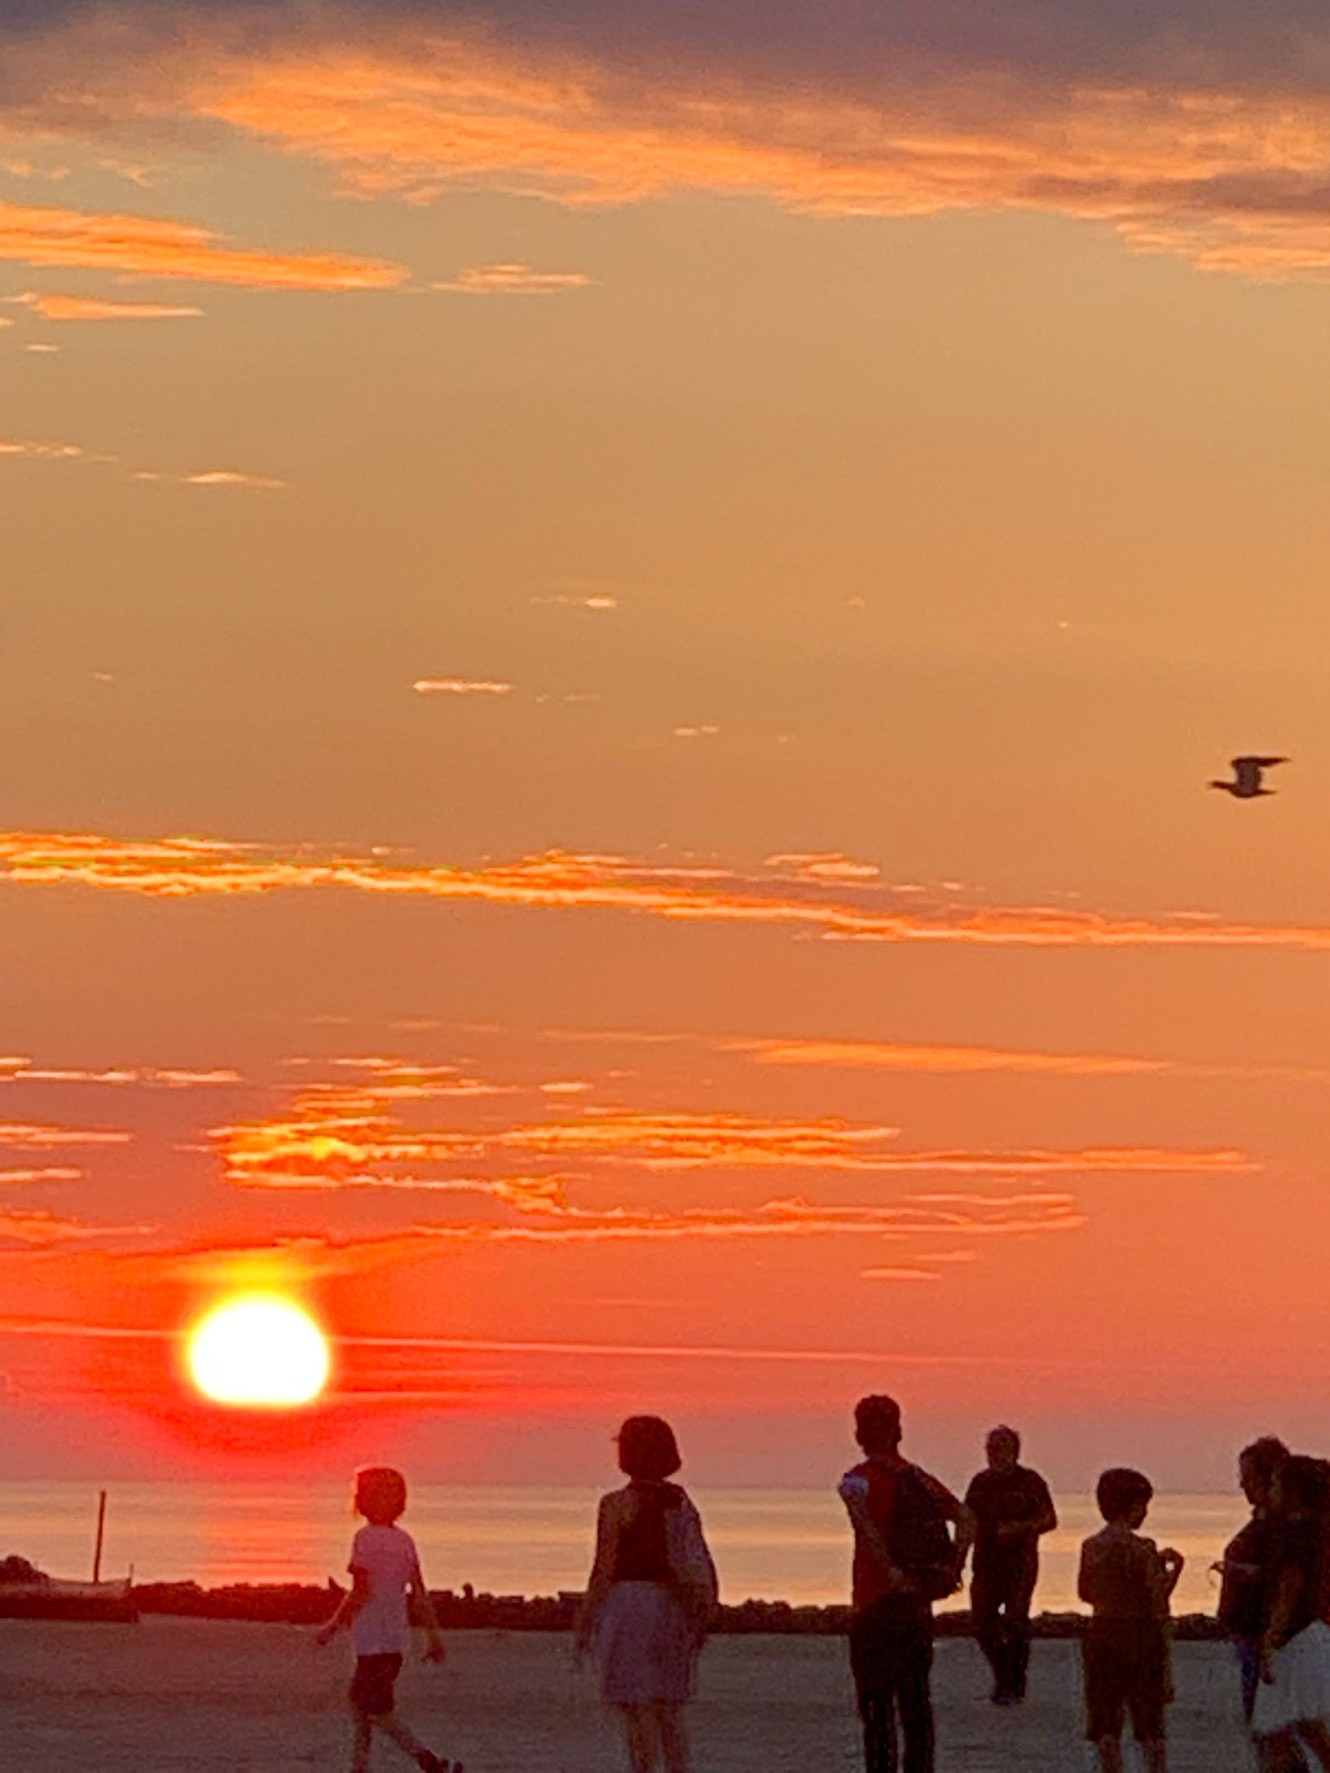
(362, 1740)
(986, 1614)
(1155, 1755)
(914, 1668)
(1248, 1653)
(1018, 1606)
(1109, 1750)
(672, 1731)
(878, 1715)
(640, 1737)
(872, 1665)
(398, 1731)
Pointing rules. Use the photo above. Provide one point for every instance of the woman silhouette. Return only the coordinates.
(649, 1598)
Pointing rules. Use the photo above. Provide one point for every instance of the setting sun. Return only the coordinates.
(259, 1351)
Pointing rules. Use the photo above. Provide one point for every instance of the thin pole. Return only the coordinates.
(101, 1534)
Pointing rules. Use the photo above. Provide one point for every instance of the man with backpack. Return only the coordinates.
(905, 1558)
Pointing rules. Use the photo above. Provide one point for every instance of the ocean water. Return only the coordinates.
(789, 1545)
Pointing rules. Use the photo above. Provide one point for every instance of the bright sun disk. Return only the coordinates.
(261, 1351)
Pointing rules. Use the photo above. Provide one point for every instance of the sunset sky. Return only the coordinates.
(616, 620)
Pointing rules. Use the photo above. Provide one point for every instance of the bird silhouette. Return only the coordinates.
(1247, 777)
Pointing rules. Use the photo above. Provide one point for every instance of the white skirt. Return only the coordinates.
(645, 1646)
(1300, 1691)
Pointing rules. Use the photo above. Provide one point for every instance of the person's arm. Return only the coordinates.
(693, 1567)
(1032, 1526)
(1171, 1565)
(962, 1518)
(1287, 1599)
(420, 1594)
(602, 1571)
(1087, 1588)
(351, 1603)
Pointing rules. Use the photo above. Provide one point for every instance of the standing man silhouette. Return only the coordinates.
(1013, 1510)
(905, 1558)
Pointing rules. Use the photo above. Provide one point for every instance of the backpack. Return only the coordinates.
(918, 1536)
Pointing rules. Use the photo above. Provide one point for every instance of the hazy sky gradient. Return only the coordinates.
(700, 569)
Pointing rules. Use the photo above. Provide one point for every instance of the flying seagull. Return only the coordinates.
(1247, 774)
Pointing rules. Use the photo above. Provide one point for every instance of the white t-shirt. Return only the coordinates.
(388, 1558)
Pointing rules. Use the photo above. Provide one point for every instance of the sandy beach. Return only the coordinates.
(185, 1696)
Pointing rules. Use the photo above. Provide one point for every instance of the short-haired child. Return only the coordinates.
(385, 1577)
(1127, 1581)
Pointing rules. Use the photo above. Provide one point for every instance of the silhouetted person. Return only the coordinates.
(1012, 1509)
(1127, 1580)
(1246, 1563)
(905, 1558)
(651, 1593)
(1292, 1706)
(385, 1574)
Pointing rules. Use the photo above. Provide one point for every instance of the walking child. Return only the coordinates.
(385, 1576)
(1127, 1580)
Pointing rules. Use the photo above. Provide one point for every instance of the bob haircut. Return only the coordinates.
(1120, 1490)
(380, 1494)
(647, 1449)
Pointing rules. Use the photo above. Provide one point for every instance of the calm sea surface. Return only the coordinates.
(777, 1544)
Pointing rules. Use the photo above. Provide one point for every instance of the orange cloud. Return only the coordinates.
(27, 1136)
(843, 910)
(146, 247)
(42, 1230)
(461, 686)
(70, 307)
(51, 452)
(513, 279)
(22, 1070)
(951, 1061)
(1230, 180)
(56, 1174)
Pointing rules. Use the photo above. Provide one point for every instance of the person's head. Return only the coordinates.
(1302, 1486)
(380, 1494)
(877, 1424)
(1124, 1496)
(1257, 1466)
(1003, 1447)
(648, 1450)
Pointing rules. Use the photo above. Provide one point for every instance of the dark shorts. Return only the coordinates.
(372, 1684)
(1126, 1676)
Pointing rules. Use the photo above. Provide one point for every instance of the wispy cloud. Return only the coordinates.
(851, 1055)
(17, 1069)
(42, 1229)
(569, 600)
(461, 686)
(45, 452)
(513, 279)
(1203, 131)
(30, 1136)
(178, 250)
(73, 307)
(696, 732)
(35, 450)
(344, 1135)
(224, 477)
(52, 1173)
(841, 910)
